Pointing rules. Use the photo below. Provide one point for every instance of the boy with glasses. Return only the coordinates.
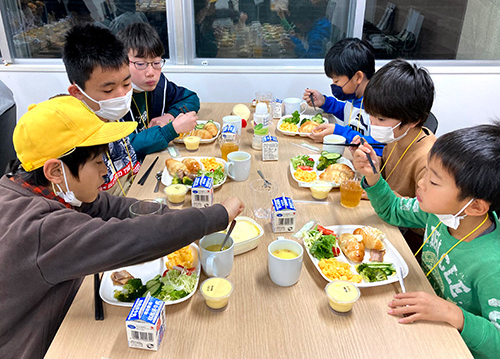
(157, 104)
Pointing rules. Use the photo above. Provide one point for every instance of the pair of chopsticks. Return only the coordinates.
(358, 144)
(368, 157)
(99, 310)
(148, 171)
(312, 100)
(183, 109)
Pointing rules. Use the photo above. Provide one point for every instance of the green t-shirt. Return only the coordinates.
(468, 276)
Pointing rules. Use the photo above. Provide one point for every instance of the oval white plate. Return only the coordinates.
(391, 256)
(166, 177)
(207, 140)
(145, 271)
(316, 157)
(290, 133)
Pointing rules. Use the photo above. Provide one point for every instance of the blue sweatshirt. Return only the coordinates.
(352, 119)
(167, 97)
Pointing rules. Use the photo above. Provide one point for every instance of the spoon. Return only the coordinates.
(158, 179)
(266, 182)
(231, 227)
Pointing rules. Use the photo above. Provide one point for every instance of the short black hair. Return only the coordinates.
(400, 90)
(348, 56)
(143, 39)
(88, 47)
(74, 161)
(471, 155)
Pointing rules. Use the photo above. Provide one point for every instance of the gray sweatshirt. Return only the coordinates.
(47, 249)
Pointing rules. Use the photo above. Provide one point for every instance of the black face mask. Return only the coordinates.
(339, 93)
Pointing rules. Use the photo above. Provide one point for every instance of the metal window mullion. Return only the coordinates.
(180, 33)
(4, 44)
(357, 15)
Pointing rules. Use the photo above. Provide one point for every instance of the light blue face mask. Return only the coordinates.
(453, 220)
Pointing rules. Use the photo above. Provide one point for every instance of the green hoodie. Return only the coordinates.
(469, 276)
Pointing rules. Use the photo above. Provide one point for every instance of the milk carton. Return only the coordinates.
(202, 192)
(146, 323)
(283, 215)
(269, 148)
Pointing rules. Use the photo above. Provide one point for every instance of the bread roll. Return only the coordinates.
(308, 126)
(210, 127)
(340, 167)
(352, 246)
(372, 237)
(203, 134)
(192, 165)
(334, 176)
(173, 166)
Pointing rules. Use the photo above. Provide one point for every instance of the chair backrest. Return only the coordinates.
(431, 123)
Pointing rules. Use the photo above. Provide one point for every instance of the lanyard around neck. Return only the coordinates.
(350, 113)
(144, 123)
(400, 158)
(449, 250)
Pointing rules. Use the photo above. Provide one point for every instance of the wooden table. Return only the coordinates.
(264, 320)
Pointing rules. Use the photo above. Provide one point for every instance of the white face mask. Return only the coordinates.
(137, 88)
(114, 108)
(68, 196)
(385, 134)
(453, 221)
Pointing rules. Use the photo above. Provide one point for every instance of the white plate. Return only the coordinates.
(145, 271)
(166, 177)
(391, 256)
(290, 133)
(207, 140)
(316, 157)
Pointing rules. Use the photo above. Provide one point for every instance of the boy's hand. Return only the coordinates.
(161, 121)
(319, 99)
(321, 131)
(425, 306)
(233, 207)
(185, 122)
(360, 161)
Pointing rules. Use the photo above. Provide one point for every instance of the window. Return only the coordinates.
(438, 30)
(37, 27)
(240, 32)
(270, 29)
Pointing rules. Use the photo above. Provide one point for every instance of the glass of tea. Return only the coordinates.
(350, 192)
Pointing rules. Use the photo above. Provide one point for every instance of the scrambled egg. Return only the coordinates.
(182, 257)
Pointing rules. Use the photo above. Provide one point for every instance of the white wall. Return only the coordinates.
(464, 95)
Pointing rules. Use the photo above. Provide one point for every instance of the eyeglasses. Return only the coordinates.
(143, 65)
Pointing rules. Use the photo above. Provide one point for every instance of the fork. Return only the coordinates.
(158, 179)
(266, 182)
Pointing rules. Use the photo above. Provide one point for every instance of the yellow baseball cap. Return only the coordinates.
(54, 127)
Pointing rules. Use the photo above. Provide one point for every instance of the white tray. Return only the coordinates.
(290, 133)
(166, 177)
(145, 271)
(315, 157)
(391, 256)
(207, 140)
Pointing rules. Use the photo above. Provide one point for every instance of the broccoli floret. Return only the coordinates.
(132, 290)
(370, 274)
(187, 181)
(322, 163)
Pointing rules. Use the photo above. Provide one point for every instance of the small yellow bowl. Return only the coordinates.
(320, 189)
(176, 192)
(192, 143)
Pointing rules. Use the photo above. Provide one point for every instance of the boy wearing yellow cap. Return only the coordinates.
(47, 245)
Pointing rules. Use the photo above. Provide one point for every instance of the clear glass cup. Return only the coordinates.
(262, 197)
(266, 97)
(350, 192)
(145, 207)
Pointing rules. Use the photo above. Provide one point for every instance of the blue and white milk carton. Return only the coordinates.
(146, 323)
(269, 148)
(283, 215)
(202, 192)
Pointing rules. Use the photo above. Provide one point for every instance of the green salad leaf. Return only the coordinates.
(218, 175)
(322, 247)
(295, 119)
(302, 160)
